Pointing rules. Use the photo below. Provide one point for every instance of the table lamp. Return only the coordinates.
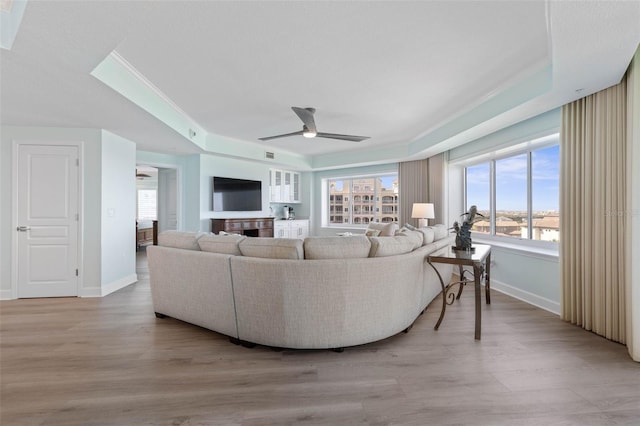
(423, 212)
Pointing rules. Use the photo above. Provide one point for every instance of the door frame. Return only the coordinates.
(14, 210)
(163, 205)
(179, 200)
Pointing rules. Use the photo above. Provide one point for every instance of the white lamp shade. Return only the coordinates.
(423, 212)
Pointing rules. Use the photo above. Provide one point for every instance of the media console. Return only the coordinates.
(252, 227)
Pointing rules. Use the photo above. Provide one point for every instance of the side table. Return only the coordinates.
(480, 259)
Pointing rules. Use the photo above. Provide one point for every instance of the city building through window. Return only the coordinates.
(359, 201)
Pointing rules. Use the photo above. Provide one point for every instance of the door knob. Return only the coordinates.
(23, 228)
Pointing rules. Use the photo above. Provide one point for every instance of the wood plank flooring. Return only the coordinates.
(109, 361)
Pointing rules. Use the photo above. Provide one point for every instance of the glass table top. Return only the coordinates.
(448, 254)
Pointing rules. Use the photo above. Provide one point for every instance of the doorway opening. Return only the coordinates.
(157, 203)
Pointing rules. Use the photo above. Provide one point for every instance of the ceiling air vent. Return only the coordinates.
(269, 155)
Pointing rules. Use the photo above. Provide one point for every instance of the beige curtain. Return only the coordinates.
(592, 206)
(421, 181)
(412, 179)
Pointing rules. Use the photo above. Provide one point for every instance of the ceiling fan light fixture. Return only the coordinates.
(309, 128)
(141, 176)
(308, 133)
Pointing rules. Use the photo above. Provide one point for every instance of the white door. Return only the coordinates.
(47, 220)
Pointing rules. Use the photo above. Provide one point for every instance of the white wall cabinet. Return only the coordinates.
(284, 186)
(291, 229)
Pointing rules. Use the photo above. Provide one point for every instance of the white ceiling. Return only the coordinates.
(398, 72)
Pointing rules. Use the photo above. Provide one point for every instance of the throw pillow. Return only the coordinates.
(428, 235)
(372, 232)
(440, 231)
(225, 244)
(179, 239)
(386, 229)
(272, 248)
(357, 246)
(415, 236)
(390, 246)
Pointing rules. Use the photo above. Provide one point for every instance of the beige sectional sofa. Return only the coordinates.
(323, 292)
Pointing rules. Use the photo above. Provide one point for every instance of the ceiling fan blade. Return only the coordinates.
(350, 138)
(268, 138)
(306, 115)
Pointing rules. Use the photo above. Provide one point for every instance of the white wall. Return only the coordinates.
(211, 165)
(233, 168)
(528, 276)
(195, 172)
(118, 213)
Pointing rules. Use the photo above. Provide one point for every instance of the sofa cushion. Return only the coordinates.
(225, 244)
(390, 246)
(415, 237)
(440, 231)
(386, 229)
(272, 248)
(356, 246)
(428, 235)
(179, 239)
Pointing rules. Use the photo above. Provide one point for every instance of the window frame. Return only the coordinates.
(528, 147)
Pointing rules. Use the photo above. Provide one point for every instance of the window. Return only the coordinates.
(479, 194)
(511, 196)
(147, 204)
(518, 192)
(359, 201)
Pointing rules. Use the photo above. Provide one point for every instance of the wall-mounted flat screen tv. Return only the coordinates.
(236, 195)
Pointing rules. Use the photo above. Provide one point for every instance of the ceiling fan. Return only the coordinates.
(309, 128)
(141, 176)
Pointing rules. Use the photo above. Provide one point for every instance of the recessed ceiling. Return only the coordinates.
(399, 72)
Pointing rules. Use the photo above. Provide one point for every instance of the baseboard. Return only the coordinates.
(90, 292)
(525, 296)
(6, 295)
(118, 284)
(108, 288)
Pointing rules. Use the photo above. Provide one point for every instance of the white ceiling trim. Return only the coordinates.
(118, 74)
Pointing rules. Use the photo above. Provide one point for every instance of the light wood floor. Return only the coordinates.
(109, 361)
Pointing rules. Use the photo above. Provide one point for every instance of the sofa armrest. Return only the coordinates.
(193, 286)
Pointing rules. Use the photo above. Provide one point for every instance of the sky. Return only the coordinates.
(511, 183)
(387, 181)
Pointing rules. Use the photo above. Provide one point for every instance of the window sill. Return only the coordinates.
(549, 251)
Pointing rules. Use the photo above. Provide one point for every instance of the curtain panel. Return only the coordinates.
(592, 206)
(413, 178)
(421, 181)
